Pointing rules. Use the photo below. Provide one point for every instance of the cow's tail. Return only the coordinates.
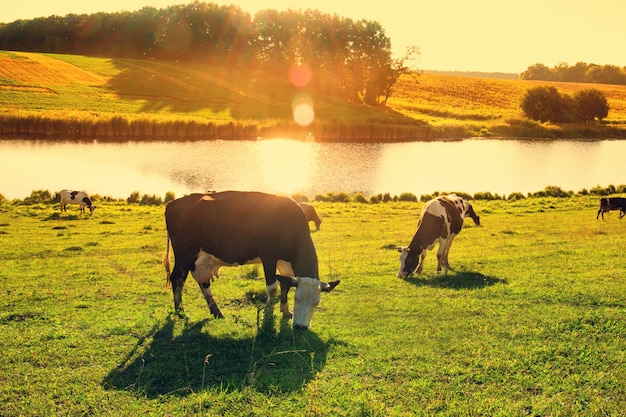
(166, 262)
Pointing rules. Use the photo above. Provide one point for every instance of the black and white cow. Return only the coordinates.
(208, 231)
(612, 203)
(76, 197)
(441, 221)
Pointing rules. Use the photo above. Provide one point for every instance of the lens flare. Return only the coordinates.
(302, 107)
(299, 75)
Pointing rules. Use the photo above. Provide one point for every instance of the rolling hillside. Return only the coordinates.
(90, 94)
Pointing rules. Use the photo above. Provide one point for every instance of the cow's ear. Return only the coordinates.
(403, 249)
(328, 286)
(287, 282)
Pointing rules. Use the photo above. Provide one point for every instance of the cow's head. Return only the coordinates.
(408, 261)
(471, 213)
(307, 298)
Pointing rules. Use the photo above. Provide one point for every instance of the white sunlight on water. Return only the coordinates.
(289, 166)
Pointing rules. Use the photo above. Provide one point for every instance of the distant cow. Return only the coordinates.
(440, 222)
(311, 215)
(76, 197)
(613, 203)
(208, 231)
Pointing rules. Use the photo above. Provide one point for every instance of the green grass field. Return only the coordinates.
(530, 322)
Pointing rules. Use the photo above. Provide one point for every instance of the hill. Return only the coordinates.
(86, 97)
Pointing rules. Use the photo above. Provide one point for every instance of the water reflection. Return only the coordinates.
(288, 167)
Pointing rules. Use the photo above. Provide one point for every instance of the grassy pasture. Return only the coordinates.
(530, 321)
(69, 95)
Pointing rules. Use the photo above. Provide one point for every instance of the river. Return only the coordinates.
(280, 166)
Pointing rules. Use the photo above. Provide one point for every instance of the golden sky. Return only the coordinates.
(460, 35)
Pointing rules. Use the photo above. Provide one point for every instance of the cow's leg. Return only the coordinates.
(284, 302)
(269, 269)
(205, 286)
(446, 251)
(203, 274)
(440, 256)
(177, 278)
(420, 262)
(286, 270)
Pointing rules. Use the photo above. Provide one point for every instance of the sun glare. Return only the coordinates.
(286, 166)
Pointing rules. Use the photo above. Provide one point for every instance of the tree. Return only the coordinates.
(398, 67)
(543, 104)
(591, 104)
(537, 72)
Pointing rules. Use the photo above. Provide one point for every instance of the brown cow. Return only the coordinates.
(311, 215)
(208, 231)
(612, 203)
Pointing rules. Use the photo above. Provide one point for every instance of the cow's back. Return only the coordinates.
(240, 226)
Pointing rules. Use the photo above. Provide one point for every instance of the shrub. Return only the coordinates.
(486, 196)
(375, 199)
(552, 191)
(150, 200)
(516, 196)
(41, 196)
(407, 197)
(134, 197)
(547, 104)
(169, 196)
(359, 198)
(590, 104)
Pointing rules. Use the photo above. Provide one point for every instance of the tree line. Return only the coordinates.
(351, 59)
(579, 73)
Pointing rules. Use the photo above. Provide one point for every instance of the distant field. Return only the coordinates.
(91, 94)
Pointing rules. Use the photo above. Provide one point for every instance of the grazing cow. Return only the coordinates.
(208, 231)
(311, 215)
(440, 222)
(76, 197)
(612, 203)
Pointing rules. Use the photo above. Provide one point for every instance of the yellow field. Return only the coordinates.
(442, 98)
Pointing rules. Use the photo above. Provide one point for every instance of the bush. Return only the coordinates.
(516, 196)
(41, 196)
(546, 104)
(169, 196)
(150, 200)
(407, 197)
(486, 196)
(552, 191)
(359, 198)
(134, 197)
(333, 197)
(591, 104)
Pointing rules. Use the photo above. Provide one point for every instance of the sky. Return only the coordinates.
(452, 35)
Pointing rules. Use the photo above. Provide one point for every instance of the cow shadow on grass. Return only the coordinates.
(461, 280)
(171, 361)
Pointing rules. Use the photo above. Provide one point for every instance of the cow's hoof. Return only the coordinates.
(180, 313)
(217, 313)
